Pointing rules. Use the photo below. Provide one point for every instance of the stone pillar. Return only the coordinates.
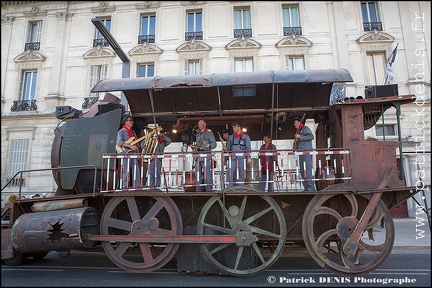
(56, 83)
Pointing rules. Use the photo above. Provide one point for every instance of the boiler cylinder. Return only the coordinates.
(60, 230)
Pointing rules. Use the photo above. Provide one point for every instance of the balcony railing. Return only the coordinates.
(370, 26)
(146, 39)
(100, 42)
(24, 105)
(32, 46)
(292, 31)
(189, 36)
(89, 101)
(239, 33)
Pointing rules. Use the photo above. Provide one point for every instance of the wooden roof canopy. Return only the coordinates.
(222, 98)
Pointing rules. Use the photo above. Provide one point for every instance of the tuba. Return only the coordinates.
(150, 143)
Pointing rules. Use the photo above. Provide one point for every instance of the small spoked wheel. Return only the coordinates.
(253, 219)
(328, 225)
(140, 216)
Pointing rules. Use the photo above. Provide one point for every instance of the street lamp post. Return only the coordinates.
(117, 49)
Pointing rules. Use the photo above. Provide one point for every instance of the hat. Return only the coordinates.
(126, 118)
(236, 124)
(225, 131)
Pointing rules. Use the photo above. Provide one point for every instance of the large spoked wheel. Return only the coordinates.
(253, 219)
(331, 219)
(140, 216)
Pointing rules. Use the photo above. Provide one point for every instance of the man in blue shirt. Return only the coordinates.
(304, 137)
(206, 141)
(238, 142)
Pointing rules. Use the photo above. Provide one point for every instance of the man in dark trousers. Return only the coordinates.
(239, 142)
(205, 141)
(303, 137)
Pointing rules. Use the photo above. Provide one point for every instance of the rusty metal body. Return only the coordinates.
(239, 231)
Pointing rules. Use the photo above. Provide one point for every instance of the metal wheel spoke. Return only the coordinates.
(264, 232)
(153, 210)
(239, 254)
(323, 237)
(219, 248)
(119, 224)
(133, 208)
(258, 252)
(328, 211)
(258, 215)
(218, 228)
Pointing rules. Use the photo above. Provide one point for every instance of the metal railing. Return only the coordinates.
(19, 179)
(178, 170)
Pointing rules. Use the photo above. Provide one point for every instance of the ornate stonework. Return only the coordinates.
(375, 37)
(7, 20)
(243, 43)
(29, 56)
(99, 52)
(148, 4)
(294, 41)
(64, 15)
(35, 12)
(103, 7)
(193, 46)
(146, 48)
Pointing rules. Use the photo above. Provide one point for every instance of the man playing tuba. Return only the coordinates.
(155, 145)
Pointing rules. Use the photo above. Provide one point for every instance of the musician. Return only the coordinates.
(206, 142)
(130, 168)
(304, 136)
(156, 163)
(268, 164)
(237, 142)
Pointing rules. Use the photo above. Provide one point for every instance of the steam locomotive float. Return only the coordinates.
(238, 230)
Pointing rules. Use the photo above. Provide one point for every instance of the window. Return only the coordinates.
(291, 21)
(193, 67)
(99, 40)
(243, 65)
(28, 88)
(375, 68)
(295, 63)
(242, 23)
(97, 73)
(385, 130)
(18, 156)
(371, 20)
(148, 28)
(33, 36)
(194, 26)
(145, 70)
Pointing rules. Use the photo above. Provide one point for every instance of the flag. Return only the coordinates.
(388, 66)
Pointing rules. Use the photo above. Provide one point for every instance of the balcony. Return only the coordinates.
(288, 31)
(24, 105)
(35, 46)
(146, 39)
(189, 36)
(239, 33)
(371, 26)
(100, 42)
(89, 101)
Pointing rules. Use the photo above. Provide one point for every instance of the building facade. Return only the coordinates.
(52, 55)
